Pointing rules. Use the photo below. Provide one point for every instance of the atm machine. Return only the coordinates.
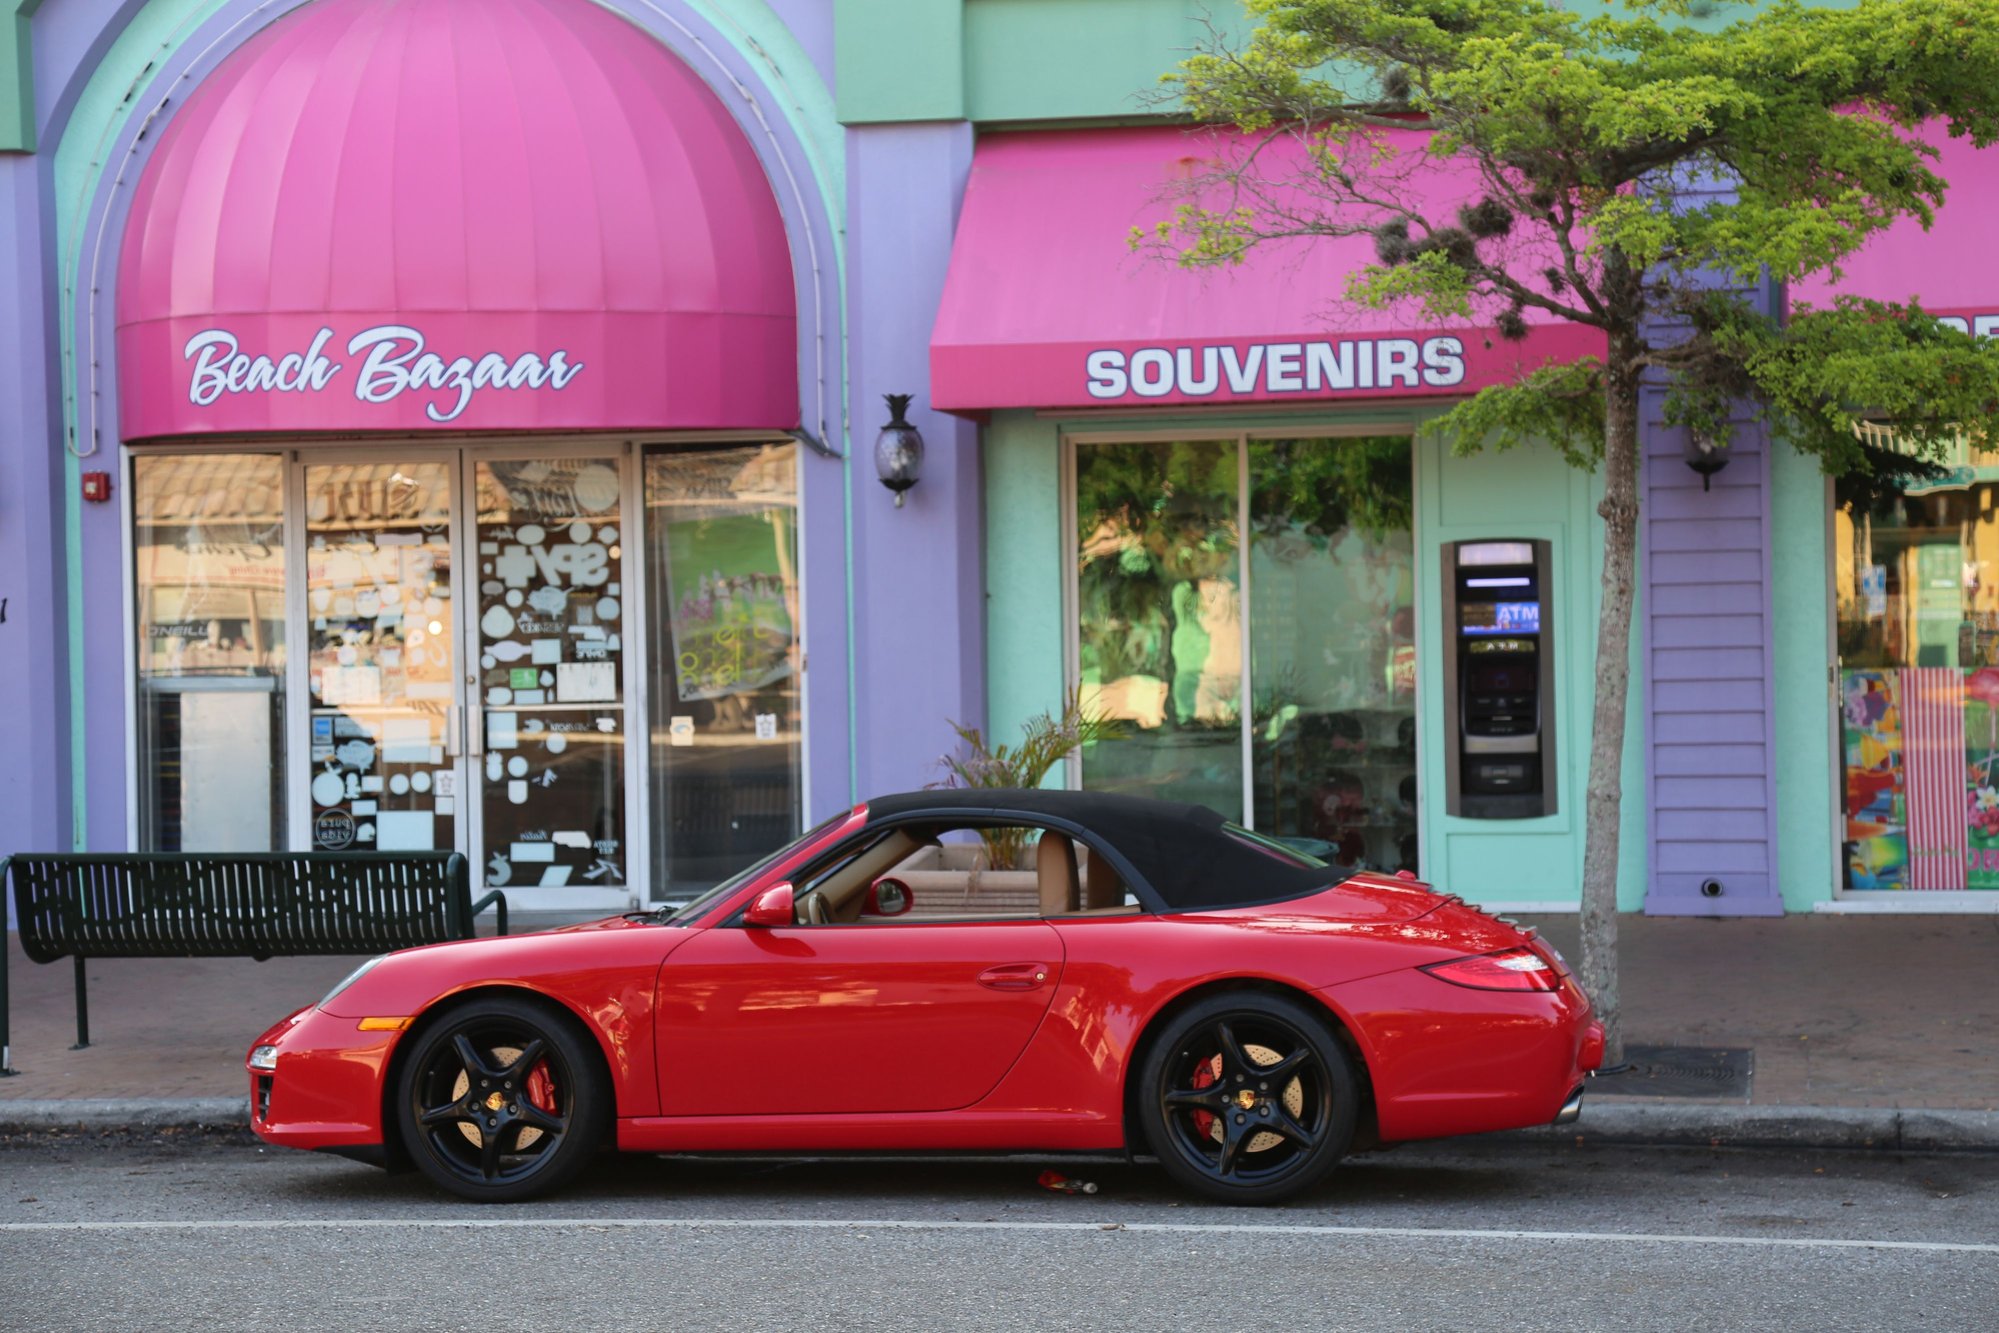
(1499, 685)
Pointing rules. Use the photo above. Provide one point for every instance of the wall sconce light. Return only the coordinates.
(899, 448)
(1706, 455)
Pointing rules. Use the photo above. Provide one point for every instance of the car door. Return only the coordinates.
(872, 1017)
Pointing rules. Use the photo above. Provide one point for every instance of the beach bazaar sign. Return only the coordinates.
(1276, 369)
(388, 362)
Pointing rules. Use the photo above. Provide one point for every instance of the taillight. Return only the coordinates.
(1510, 969)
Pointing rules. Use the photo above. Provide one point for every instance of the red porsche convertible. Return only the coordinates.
(955, 970)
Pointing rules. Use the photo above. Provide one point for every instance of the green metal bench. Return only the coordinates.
(260, 905)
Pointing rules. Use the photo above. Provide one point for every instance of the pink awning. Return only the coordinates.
(1047, 306)
(425, 215)
(1951, 267)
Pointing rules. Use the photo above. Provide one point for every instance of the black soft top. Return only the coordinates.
(1185, 853)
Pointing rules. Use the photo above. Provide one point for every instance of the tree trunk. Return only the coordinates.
(1619, 510)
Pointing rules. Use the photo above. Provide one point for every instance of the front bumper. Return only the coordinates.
(327, 1087)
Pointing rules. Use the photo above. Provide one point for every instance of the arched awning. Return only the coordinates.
(460, 215)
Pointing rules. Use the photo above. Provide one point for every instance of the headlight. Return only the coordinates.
(263, 1057)
(351, 978)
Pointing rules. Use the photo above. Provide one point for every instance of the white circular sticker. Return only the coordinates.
(498, 622)
(517, 767)
(530, 534)
(419, 782)
(607, 609)
(579, 531)
(557, 742)
(596, 488)
(515, 597)
(399, 785)
(328, 789)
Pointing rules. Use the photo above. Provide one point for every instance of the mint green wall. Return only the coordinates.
(1524, 493)
(17, 76)
(899, 59)
(1800, 583)
(1011, 60)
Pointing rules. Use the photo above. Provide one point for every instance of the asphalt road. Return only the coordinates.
(210, 1230)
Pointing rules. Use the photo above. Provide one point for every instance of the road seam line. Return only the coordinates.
(948, 1224)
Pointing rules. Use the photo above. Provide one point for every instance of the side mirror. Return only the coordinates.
(773, 907)
(889, 897)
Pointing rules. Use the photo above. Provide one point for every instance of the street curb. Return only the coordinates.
(124, 1113)
(1654, 1124)
(1703, 1124)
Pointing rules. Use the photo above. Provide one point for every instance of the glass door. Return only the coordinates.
(547, 616)
(465, 663)
(383, 767)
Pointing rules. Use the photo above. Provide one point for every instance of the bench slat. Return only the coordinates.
(257, 903)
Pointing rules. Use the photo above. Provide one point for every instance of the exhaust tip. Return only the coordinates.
(1571, 1108)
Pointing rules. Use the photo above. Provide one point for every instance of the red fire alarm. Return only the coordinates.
(97, 487)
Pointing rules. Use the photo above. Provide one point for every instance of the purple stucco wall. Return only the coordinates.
(1710, 719)
(919, 605)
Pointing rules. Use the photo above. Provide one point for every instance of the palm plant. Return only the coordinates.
(1046, 740)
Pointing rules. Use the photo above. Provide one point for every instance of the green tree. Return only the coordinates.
(1637, 172)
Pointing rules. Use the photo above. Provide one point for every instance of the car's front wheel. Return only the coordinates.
(1248, 1098)
(501, 1099)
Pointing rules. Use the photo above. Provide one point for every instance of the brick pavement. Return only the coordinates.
(1841, 1010)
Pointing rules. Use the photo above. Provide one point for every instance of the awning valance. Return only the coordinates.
(1046, 305)
(425, 215)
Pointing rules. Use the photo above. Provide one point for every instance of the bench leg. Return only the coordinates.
(6, 1040)
(82, 1007)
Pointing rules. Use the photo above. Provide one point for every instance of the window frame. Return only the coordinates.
(1149, 903)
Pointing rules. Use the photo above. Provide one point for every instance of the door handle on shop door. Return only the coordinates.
(1015, 976)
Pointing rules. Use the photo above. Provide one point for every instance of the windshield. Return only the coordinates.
(694, 907)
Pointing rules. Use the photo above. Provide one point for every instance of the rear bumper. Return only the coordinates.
(327, 1089)
(1448, 1060)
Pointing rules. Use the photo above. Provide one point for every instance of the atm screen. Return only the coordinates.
(1500, 617)
(1489, 677)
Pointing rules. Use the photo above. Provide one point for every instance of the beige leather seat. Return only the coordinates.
(1055, 868)
(1102, 886)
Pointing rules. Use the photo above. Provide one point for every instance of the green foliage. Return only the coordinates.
(1045, 741)
(1631, 161)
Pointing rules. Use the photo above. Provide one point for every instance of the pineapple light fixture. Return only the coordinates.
(899, 448)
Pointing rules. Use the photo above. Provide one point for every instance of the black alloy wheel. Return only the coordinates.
(1248, 1098)
(501, 1099)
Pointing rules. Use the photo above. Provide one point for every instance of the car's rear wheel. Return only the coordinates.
(1248, 1098)
(502, 1099)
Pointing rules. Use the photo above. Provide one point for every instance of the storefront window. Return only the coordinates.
(1332, 644)
(722, 660)
(1917, 590)
(1159, 607)
(1329, 733)
(209, 569)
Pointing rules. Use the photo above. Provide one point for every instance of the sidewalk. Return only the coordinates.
(1884, 1013)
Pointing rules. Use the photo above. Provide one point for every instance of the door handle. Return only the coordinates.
(454, 731)
(1015, 976)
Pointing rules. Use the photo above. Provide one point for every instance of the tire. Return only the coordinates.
(1248, 1098)
(502, 1099)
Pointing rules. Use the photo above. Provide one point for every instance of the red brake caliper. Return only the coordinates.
(1204, 1122)
(540, 1088)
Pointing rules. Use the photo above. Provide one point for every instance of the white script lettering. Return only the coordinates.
(396, 362)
